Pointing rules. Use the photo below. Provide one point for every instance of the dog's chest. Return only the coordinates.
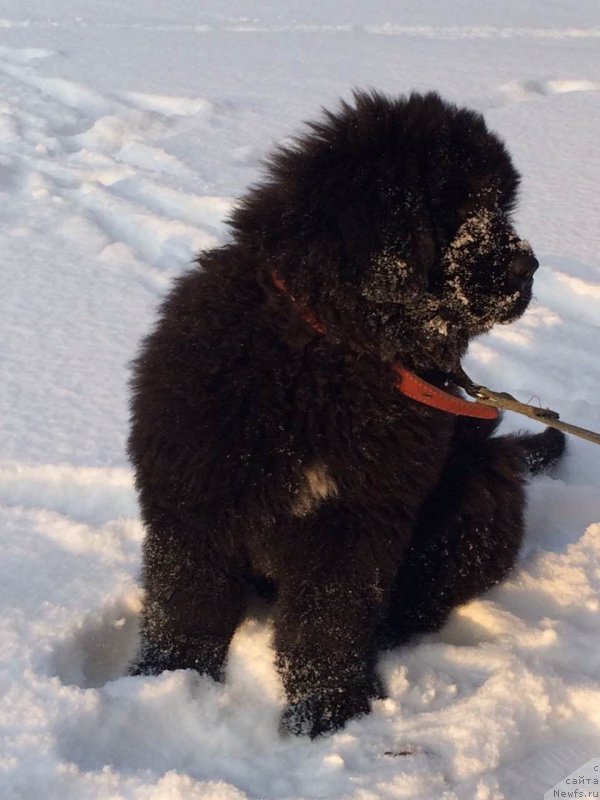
(367, 441)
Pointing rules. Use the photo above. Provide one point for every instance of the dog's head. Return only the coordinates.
(391, 219)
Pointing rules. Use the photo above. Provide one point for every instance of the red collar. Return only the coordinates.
(407, 383)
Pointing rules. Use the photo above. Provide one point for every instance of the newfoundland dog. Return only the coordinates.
(295, 424)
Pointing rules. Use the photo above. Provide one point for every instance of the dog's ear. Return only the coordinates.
(484, 194)
(492, 190)
(399, 270)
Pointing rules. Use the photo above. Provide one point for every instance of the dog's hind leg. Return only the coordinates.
(541, 450)
(466, 540)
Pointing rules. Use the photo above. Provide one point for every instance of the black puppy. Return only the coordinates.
(272, 437)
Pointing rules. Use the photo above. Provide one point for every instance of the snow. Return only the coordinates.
(125, 132)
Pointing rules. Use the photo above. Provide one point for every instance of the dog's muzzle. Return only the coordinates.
(522, 269)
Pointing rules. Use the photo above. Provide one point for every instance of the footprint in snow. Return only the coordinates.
(101, 647)
(168, 105)
(525, 90)
(23, 55)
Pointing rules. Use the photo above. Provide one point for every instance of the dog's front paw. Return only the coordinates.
(206, 656)
(325, 712)
(145, 665)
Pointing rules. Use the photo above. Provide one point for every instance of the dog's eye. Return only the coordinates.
(447, 228)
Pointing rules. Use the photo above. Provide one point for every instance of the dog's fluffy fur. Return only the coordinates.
(268, 454)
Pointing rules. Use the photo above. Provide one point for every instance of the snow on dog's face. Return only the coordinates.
(484, 276)
(391, 221)
(486, 273)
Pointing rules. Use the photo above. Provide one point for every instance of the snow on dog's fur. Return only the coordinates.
(266, 452)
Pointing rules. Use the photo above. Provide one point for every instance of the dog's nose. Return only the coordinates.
(523, 266)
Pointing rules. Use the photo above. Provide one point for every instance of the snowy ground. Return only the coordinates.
(125, 131)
